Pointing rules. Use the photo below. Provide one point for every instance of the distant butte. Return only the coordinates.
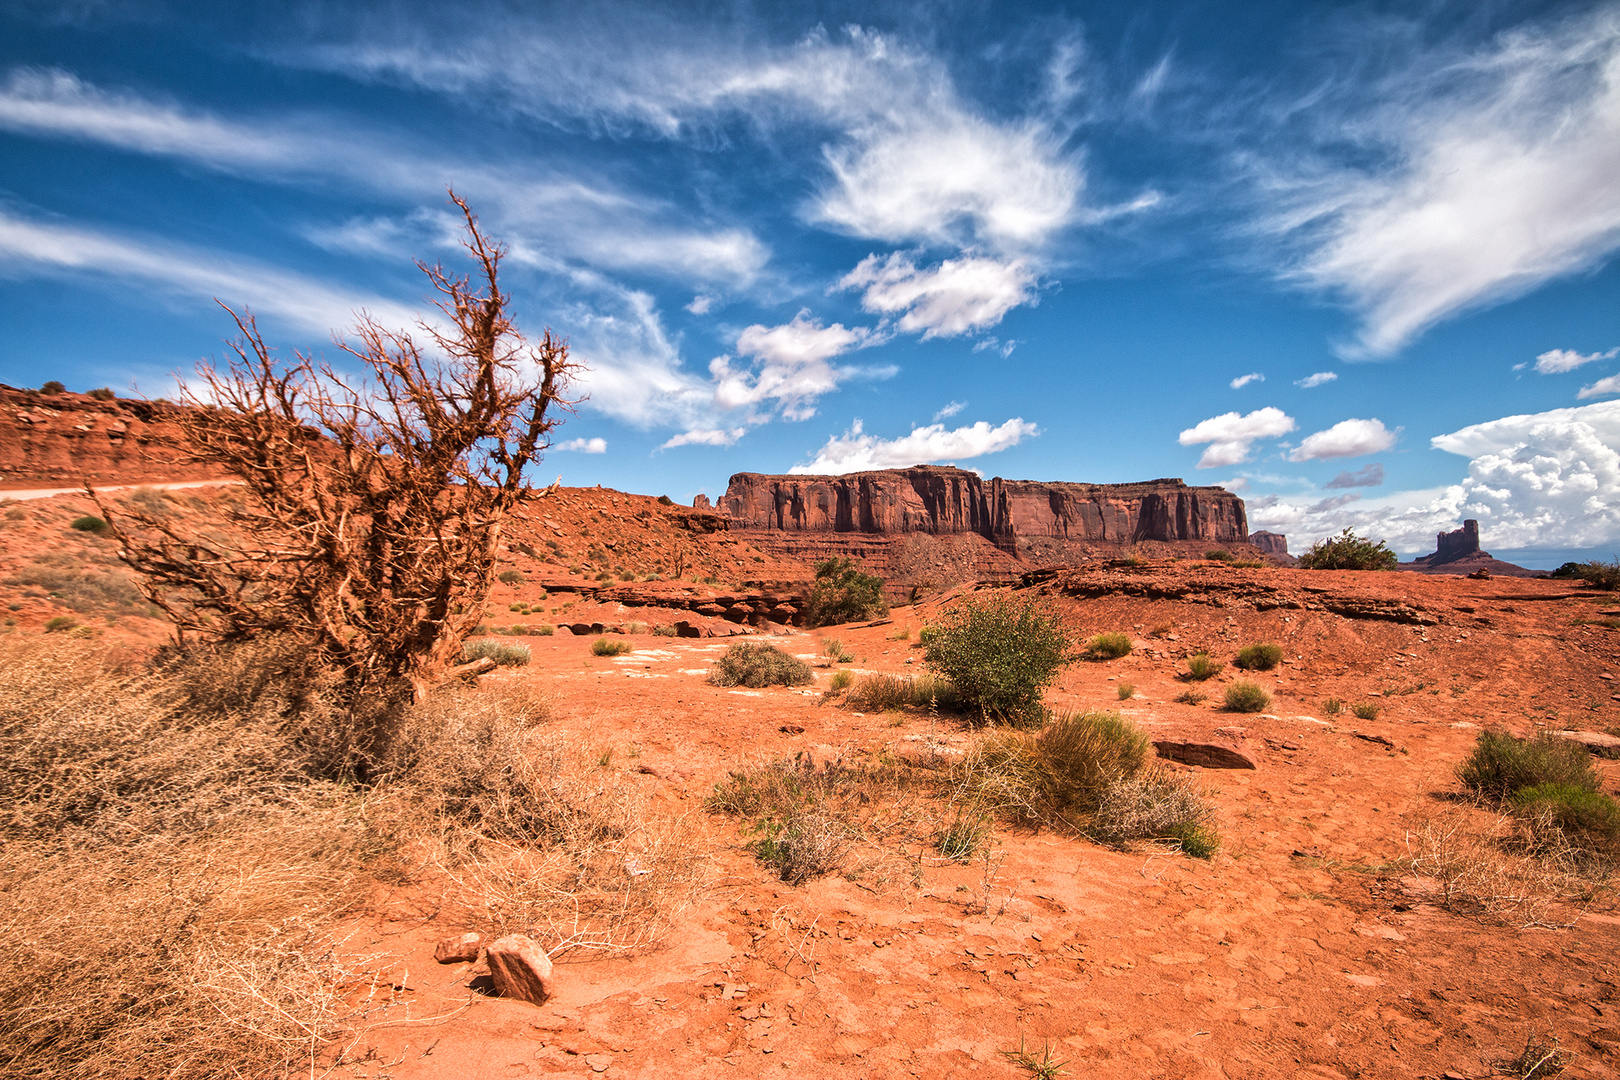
(1458, 552)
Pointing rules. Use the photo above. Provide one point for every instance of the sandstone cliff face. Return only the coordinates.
(60, 440)
(944, 501)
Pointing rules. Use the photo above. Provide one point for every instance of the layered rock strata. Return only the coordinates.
(945, 501)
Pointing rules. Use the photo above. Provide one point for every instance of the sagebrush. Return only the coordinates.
(1001, 652)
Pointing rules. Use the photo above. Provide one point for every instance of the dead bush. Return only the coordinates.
(881, 692)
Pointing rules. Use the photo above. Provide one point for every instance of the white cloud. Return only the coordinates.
(583, 446)
(706, 437)
(949, 410)
(1347, 438)
(857, 452)
(194, 275)
(1244, 380)
(906, 157)
(1231, 434)
(956, 297)
(1558, 361)
(1321, 378)
(546, 216)
(1602, 388)
(700, 305)
(1497, 174)
(792, 369)
(1542, 480)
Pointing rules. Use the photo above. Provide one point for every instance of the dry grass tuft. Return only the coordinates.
(179, 844)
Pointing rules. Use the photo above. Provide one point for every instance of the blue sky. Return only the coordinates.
(1354, 261)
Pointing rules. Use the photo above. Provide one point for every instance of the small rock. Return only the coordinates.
(459, 950)
(1204, 755)
(1233, 732)
(521, 969)
(1607, 676)
(791, 729)
(599, 1062)
(1597, 742)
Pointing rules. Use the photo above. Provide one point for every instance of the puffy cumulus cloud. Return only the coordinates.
(1244, 380)
(1230, 435)
(1558, 361)
(1602, 388)
(583, 446)
(792, 367)
(1542, 480)
(1367, 476)
(1321, 378)
(956, 297)
(1495, 173)
(855, 451)
(1347, 438)
(706, 437)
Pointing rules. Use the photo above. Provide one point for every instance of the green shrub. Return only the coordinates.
(1348, 551)
(1598, 574)
(665, 500)
(1001, 652)
(58, 623)
(91, 524)
(760, 665)
(1259, 657)
(964, 836)
(498, 651)
(545, 630)
(926, 634)
(1245, 696)
(841, 680)
(842, 594)
(1333, 706)
(1201, 666)
(1110, 646)
(1589, 820)
(512, 577)
(1083, 754)
(1219, 555)
(833, 649)
(1126, 691)
(606, 646)
(103, 394)
(882, 692)
(1191, 697)
(1366, 710)
(52, 387)
(664, 630)
(1501, 765)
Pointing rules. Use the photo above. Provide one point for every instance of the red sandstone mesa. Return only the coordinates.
(945, 500)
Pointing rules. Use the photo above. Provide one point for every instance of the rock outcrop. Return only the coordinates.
(1269, 542)
(1458, 552)
(944, 501)
(60, 440)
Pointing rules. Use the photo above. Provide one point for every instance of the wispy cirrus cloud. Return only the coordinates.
(187, 274)
(904, 156)
(1492, 173)
(1320, 378)
(856, 451)
(549, 217)
(1244, 380)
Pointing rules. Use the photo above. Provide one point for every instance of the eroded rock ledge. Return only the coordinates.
(941, 500)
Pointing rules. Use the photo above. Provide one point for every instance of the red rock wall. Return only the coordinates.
(948, 500)
(60, 440)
